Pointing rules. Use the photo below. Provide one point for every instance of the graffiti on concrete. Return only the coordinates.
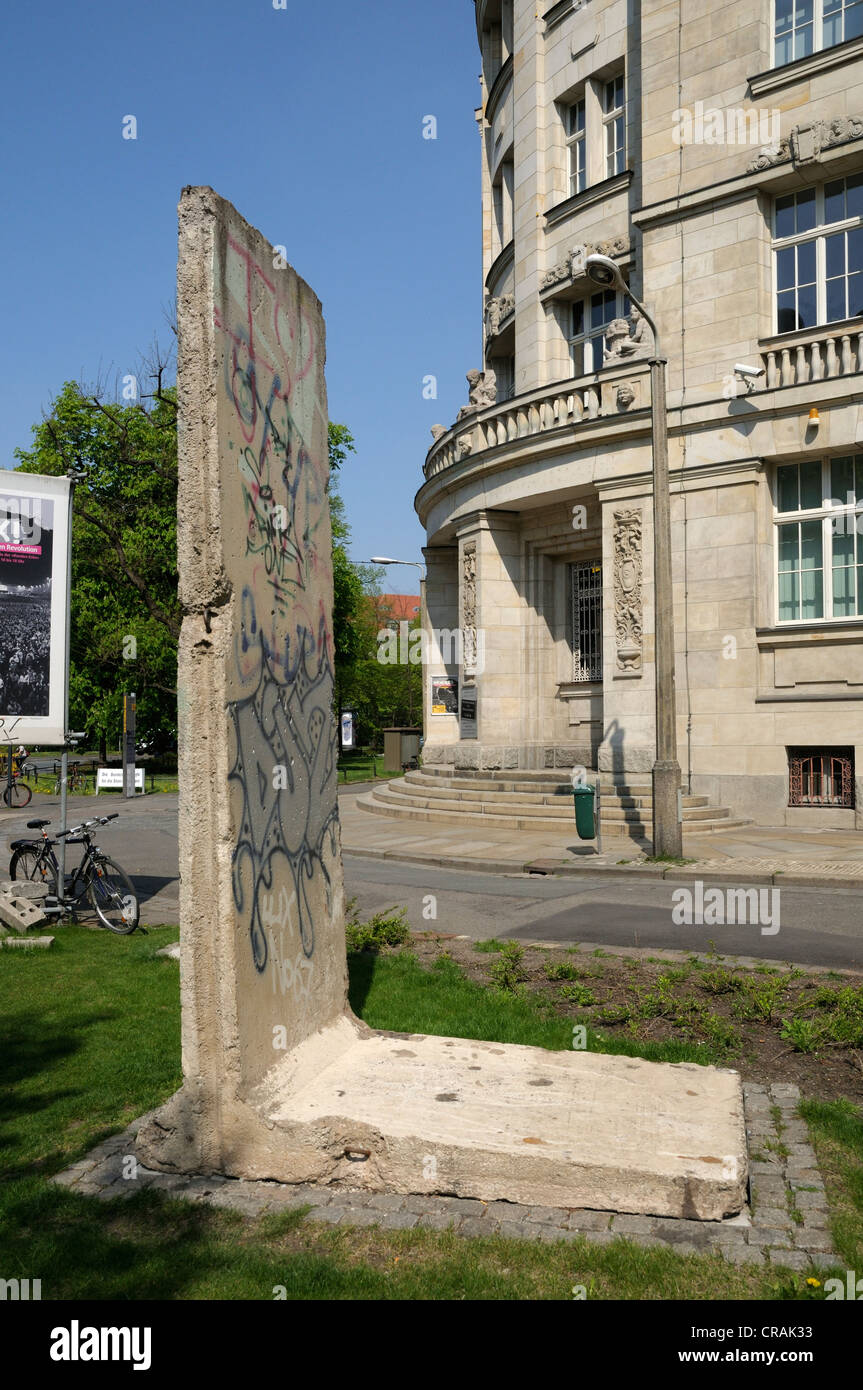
(284, 736)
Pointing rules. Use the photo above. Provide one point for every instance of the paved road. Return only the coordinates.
(817, 926)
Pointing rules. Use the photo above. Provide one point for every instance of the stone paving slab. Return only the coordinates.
(777, 1227)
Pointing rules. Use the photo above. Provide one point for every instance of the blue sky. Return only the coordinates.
(309, 119)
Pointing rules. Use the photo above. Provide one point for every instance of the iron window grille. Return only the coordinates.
(821, 777)
(586, 620)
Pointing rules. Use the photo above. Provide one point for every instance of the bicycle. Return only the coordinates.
(111, 892)
(18, 792)
(76, 781)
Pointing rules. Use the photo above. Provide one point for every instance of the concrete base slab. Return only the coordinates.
(417, 1114)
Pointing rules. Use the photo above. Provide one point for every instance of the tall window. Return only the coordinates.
(615, 131)
(805, 26)
(502, 204)
(818, 242)
(586, 620)
(590, 318)
(819, 539)
(577, 144)
(504, 371)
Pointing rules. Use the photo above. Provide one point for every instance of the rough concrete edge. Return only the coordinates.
(737, 1239)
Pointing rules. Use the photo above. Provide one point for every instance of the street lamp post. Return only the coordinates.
(667, 827)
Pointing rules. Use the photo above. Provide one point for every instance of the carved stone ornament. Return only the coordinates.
(574, 266)
(625, 395)
(627, 538)
(468, 605)
(438, 431)
(497, 309)
(483, 392)
(627, 341)
(805, 142)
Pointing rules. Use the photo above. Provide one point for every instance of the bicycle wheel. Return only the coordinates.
(113, 897)
(19, 794)
(26, 863)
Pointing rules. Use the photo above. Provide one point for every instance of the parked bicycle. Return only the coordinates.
(18, 792)
(110, 890)
(76, 781)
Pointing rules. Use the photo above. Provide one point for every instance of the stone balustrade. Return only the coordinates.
(565, 403)
(812, 358)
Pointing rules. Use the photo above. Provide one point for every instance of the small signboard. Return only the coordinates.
(468, 712)
(444, 694)
(348, 728)
(111, 779)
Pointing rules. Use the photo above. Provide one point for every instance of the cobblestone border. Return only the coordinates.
(787, 1222)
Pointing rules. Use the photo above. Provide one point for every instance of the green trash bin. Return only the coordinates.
(585, 814)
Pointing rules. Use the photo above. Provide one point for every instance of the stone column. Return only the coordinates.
(629, 730)
(491, 617)
(441, 657)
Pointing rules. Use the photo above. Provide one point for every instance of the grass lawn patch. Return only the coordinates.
(90, 1039)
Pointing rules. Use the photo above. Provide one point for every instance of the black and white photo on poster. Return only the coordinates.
(33, 607)
(26, 547)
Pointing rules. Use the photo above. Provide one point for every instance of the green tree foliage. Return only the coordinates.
(125, 611)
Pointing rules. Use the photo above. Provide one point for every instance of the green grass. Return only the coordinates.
(89, 1038)
(161, 782)
(149, 1247)
(396, 993)
(836, 1128)
(361, 767)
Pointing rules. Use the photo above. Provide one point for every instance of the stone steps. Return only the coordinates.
(529, 800)
(448, 788)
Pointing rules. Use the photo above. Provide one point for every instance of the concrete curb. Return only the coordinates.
(707, 872)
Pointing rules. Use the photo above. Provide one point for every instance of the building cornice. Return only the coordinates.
(500, 264)
(775, 79)
(773, 173)
(558, 13)
(596, 193)
(498, 88)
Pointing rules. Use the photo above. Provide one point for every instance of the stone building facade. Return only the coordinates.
(715, 152)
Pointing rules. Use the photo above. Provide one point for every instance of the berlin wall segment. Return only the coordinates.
(280, 1079)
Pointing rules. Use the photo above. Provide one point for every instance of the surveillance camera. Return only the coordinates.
(742, 369)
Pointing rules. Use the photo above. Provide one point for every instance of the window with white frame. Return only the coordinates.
(801, 27)
(576, 140)
(818, 248)
(818, 520)
(585, 593)
(590, 318)
(615, 126)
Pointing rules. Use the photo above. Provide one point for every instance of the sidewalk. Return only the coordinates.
(751, 854)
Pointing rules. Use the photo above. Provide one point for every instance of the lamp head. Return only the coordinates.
(602, 270)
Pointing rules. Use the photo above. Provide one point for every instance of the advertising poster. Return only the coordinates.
(347, 727)
(444, 695)
(34, 519)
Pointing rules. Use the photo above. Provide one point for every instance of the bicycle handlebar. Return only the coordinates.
(96, 820)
